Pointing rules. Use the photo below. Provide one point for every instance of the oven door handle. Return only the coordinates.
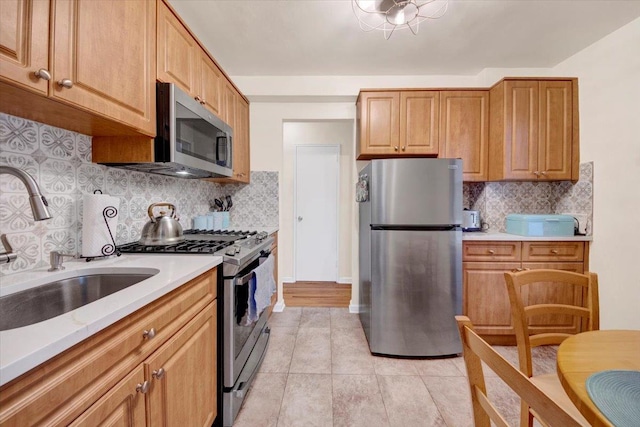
(250, 275)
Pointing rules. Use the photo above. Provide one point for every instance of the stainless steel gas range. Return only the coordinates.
(244, 343)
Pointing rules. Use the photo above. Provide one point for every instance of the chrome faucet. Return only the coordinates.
(36, 199)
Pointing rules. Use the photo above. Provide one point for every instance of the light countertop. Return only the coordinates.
(22, 349)
(495, 236)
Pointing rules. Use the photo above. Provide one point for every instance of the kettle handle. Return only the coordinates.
(153, 205)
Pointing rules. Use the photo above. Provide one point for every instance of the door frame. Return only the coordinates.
(295, 208)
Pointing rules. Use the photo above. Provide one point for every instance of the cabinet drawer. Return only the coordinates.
(491, 251)
(57, 391)
(552, 251)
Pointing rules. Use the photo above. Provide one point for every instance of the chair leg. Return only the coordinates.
(526, 419)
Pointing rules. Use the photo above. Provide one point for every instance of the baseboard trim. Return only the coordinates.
(354, 308)
(288, 280)
(279, 307)
(344, 280)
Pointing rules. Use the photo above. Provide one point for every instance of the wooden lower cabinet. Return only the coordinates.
(123, 405)
(109, 378)
(485, 297)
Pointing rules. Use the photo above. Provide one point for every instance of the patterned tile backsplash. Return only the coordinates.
(495, 200)
(60, 161)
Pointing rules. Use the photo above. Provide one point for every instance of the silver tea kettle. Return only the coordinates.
(161, 230)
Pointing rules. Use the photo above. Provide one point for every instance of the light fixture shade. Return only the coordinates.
(389, 15)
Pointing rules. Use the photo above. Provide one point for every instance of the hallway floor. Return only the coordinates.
(318, 372)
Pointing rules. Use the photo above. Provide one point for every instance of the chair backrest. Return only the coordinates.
(520, 313)
(475, 350)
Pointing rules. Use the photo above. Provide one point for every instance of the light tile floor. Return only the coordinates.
(318, 372)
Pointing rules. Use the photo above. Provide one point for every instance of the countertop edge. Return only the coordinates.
(484, 236)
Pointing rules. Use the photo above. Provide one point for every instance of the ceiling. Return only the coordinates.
(322, 37)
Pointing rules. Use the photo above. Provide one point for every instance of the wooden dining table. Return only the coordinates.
(584, 354)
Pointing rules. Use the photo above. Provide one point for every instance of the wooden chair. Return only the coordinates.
(475, 350)
(521, 314)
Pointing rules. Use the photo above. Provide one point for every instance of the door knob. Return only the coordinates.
(43, 74)
(299, 218)
(143, 387)
(149, 334)
(158, 374)
(66, 83)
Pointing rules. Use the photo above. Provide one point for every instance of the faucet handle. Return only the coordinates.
(9, 255)
(56, 258)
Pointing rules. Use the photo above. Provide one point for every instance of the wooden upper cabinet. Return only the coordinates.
(533, 136)
(419, 122)
(24, 43)
(241, 146)
(464, 131)
(556, 126)
(178, 53)
(210, 83)
(229, 99)
(103, 59)
(379, 127)
(182, 61)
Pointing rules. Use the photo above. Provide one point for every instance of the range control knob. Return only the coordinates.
(232, 250)
(261, 236)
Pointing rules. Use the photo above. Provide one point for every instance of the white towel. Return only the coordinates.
(261, 288)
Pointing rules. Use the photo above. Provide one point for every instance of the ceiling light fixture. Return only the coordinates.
(389, 15)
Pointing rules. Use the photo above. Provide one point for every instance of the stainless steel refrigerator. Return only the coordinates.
(411, 256)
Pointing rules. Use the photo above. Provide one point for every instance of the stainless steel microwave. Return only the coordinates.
(190, 142)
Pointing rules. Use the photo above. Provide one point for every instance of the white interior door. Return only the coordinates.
(317, 171)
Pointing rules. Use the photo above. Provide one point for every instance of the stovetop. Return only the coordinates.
(235, 246)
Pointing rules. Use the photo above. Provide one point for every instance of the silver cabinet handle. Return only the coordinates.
(203, 102)
(395, 148)
(299, 218)
(491, 251)
(43, 74)
(65, 83)
(158, 374)
(143, 387)
(554, 251)
(543, 173)
(404, 148)
(149, 334)
(536, 173)
(197, 98)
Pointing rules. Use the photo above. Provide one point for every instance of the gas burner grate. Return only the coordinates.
(239, 233)
(185, 247)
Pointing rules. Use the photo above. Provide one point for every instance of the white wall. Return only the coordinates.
(609, 80)
(608, 73)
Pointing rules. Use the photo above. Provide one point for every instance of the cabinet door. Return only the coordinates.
(177, 52)
(464, 131)
(556, 126)
(210, 79)
(184, 393)
(123, 405)
(379, 124)
(110, 69)
(419, 122)
(241, 145)
(24, 42)
(521, 130)
(485, 296)
(229, 102)
(550, 293)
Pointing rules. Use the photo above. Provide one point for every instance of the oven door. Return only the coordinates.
(240, 335)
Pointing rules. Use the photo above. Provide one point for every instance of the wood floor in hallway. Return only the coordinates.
(317, 294)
